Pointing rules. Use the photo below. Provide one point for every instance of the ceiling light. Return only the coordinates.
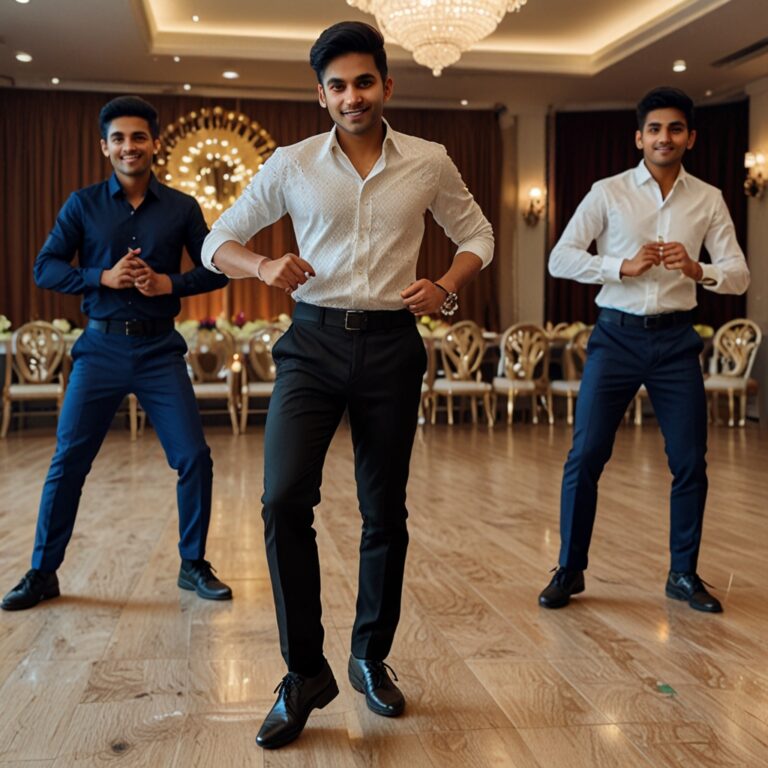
(679, 66)
(187, 87)
(230, 75)
(195, 18)
(177, 59)
(24, 57)
(708, 92)
(437, 32)
(464, 103)
(55, 81)
(22, 2)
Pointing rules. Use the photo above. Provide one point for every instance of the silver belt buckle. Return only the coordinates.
(356, 326)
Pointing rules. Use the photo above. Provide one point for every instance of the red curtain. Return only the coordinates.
(589, 146)
(49, 146)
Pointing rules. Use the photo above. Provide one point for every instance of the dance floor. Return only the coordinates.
(126, 669)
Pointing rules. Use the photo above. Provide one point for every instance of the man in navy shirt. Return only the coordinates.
(129, 232)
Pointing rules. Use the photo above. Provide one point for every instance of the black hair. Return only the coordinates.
(348, 37)
(661, 98)
(128, 106)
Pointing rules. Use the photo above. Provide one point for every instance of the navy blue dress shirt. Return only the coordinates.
(100, 224)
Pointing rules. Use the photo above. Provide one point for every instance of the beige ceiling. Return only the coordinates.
(561, 52)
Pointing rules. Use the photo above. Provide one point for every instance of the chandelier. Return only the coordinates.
(212, 155)
(437, 32)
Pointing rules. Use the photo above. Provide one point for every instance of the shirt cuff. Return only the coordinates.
(92, 276)
(211, 244)
(480, 247)
(610, 269)
(177, 282)
(710, 276)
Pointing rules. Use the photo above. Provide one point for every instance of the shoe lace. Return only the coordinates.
(561, 575)
(31, 578)
(205, 567)
(378, 672)
(291, 680)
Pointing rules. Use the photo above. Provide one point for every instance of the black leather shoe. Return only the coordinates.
(297, 696)
(34, 587)
(688, 586)
(197, 575)
(371, 678)
(564, 584)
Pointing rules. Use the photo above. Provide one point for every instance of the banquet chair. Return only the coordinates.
(574, 358)
(524, 368)
(212, 360)
(735, 348)
(35, 368)
(462, 349)
(258, 372)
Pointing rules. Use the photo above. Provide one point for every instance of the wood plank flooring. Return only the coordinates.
(125, 669)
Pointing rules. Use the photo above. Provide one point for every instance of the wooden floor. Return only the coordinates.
(125, 669)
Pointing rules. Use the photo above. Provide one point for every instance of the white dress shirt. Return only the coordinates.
(361, 236)
(623, 213)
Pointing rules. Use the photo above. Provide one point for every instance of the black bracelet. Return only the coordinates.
(451, 303)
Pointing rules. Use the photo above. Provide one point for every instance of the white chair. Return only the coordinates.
(258, 372)
(734, 350)
(462, 350)
(524, 368)
(574, 359)
(36, 355)
(211, 361)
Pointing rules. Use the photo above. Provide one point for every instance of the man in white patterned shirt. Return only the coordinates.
(650, 224)
(357, 198)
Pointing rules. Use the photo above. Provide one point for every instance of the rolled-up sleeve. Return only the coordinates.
(261, 204)
(457, 212)
(728, 272)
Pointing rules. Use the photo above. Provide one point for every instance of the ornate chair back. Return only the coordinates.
(462, 349)
(524, 353)
(39, 352)
(735, 348)
(260, 351)
(210, 354)
(575, 354)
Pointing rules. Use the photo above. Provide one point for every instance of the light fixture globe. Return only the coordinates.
(437, 32)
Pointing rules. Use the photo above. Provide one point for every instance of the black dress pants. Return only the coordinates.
(322, 370)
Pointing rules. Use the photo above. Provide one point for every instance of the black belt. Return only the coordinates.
(354, 319)
(649, 322)
(133, 327)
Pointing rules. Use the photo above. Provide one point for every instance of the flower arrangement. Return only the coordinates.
(429, 326)
(5, 324)
(705, 331)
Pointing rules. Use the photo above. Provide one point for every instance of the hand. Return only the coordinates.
(122, 274)
(676, 257)
(288, 272)
(422, 297)
(151, 283)
(648, 256)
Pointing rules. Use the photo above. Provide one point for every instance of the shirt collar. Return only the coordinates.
(390, 137)
(643, 175)
(115, 188)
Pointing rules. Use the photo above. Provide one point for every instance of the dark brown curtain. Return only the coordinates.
(49, 146)
(592, 145)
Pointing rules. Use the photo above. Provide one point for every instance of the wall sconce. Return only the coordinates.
(754, 184)
(535, 210)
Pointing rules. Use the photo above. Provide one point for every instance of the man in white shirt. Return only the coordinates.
(650, 223)
(357, 198)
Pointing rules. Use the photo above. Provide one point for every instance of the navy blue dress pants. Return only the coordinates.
(620, 359)
(106, 368)
(321, 372)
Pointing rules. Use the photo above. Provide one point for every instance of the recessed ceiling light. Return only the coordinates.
(708, 92)
(464, 102)
(24, 57)
(679, 66)
(22, 2)
(177, 59)
(195, 18)
(55, 81)
(187, 87)
(230, 74)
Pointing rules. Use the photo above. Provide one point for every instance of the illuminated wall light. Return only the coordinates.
(230, 75)
(195, 18)
(55, 81)
(679, 66)
(464, 103)
(25, 58)
(187, 87)
(177, 59)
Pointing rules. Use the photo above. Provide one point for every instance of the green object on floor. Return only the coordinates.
(664, 688)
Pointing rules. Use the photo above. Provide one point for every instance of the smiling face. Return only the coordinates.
(354, 94)
(129, 146)
(665, 138)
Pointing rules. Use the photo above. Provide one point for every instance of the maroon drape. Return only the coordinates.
(49, 146)
(592, 145)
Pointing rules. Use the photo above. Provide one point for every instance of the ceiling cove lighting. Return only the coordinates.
(437, 32)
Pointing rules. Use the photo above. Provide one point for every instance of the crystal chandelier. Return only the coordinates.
(437, 32)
